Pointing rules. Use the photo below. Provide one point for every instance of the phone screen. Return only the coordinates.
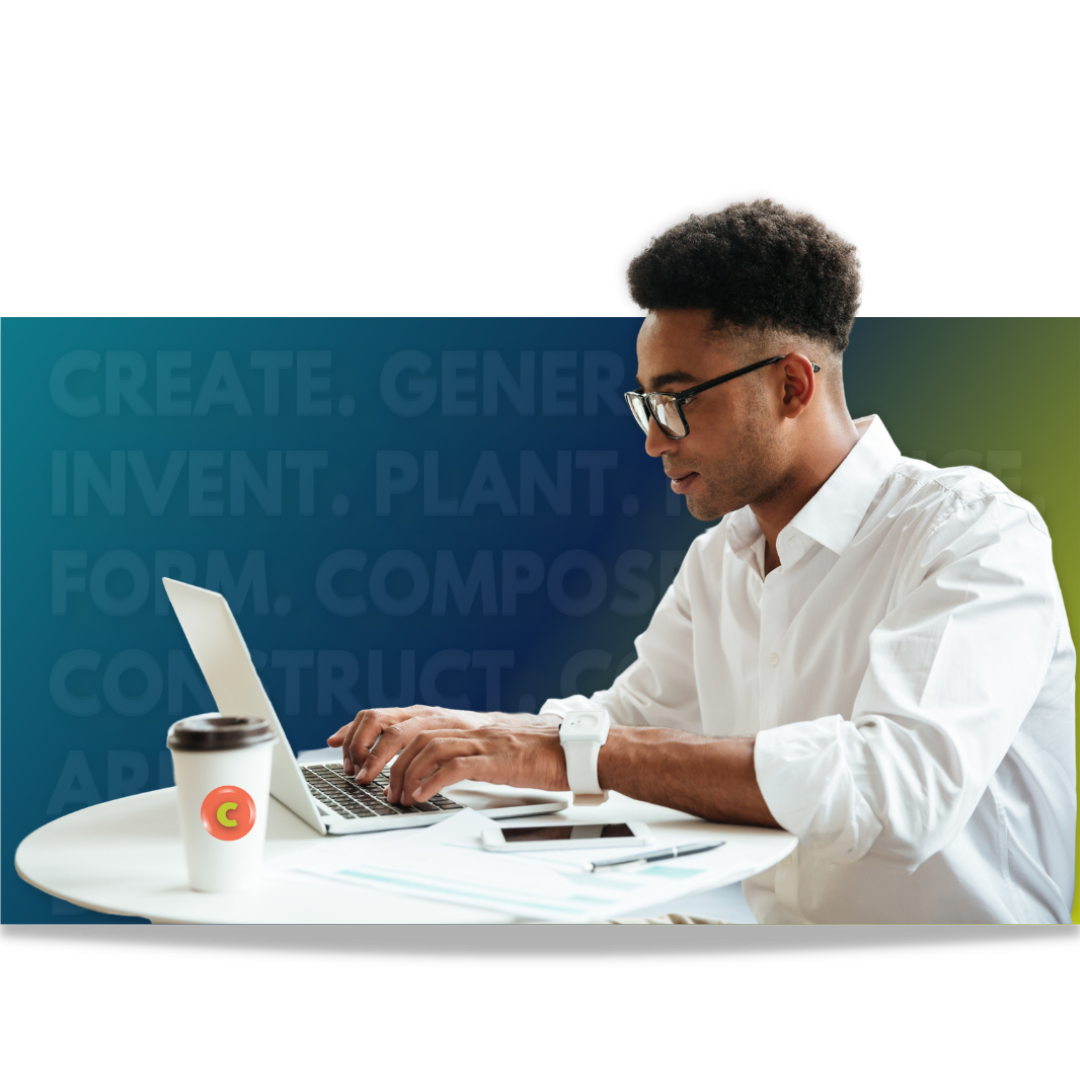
(566, 832)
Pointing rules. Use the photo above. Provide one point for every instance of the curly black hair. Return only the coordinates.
(756, 266)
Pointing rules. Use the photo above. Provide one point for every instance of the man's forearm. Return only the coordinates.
(524, 720)
(711, 778)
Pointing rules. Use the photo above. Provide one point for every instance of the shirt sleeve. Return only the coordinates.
(659, 688)
(954, 668)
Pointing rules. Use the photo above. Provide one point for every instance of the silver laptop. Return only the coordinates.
(320, 794)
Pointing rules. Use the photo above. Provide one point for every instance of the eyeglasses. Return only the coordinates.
(667, 409)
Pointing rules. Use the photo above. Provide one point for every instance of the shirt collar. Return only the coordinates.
(832, 517)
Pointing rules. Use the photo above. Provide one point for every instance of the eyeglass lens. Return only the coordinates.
(640, 411)
(665, 411)
(667, 416)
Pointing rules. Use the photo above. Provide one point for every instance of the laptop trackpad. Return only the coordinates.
(498, 801)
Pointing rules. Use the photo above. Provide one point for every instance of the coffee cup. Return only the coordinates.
(222, 769)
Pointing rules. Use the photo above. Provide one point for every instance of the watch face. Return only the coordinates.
(583, 727)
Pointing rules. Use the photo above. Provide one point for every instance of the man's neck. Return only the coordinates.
(828, 446)
(772, 559)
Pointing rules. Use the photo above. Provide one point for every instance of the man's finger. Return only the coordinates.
(350, 755)
(365, 730)
(339, 736)
(370, 763)
(433, 752)
(471, 767)
(414, 746)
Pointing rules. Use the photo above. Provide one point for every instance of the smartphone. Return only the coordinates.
(555, 837)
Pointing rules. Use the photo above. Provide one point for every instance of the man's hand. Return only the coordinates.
(520, 756)
(376, 735)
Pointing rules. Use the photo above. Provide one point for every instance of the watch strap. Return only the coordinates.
(590, 800)
(582, 758)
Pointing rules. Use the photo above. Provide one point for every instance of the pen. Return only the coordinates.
(652, 856)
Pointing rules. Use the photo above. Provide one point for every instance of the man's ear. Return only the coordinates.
(800, 382)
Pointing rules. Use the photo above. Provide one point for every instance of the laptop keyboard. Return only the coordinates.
(342, 794)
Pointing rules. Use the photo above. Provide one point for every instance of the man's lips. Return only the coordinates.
(682, 481)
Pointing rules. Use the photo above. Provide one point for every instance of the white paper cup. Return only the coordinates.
(222, 770)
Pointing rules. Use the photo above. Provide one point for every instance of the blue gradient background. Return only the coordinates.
(980, 391)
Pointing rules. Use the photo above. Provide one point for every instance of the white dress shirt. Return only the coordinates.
(909, 675)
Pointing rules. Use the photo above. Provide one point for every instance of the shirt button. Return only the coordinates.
(787, 861)
(773, 659)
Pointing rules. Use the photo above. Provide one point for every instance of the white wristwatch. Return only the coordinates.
(582, 734)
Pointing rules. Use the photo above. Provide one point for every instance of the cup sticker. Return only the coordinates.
(228, 813)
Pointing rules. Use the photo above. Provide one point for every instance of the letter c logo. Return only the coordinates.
(228, 813)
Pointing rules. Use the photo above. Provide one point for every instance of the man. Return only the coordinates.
(868, 651)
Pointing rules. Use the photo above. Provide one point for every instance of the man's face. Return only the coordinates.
(733, 455)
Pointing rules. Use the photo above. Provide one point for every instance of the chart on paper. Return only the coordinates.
(446, 863)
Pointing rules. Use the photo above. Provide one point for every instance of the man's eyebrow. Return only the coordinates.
(669, 377)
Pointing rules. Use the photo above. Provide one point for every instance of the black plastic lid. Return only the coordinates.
(212, 731)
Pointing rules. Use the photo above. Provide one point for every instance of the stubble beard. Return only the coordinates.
(727, 488)
(756, 476)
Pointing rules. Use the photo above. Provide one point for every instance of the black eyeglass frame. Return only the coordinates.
(683, 396)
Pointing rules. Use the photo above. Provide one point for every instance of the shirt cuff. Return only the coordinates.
(810, 787)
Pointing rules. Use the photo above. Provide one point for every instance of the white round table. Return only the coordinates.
(125, 857)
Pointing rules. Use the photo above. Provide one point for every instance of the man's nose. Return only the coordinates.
(656, 442)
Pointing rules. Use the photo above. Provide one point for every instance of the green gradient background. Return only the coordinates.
(949, 385)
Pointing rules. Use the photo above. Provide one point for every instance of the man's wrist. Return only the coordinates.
(582, 733)
(607, 764)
